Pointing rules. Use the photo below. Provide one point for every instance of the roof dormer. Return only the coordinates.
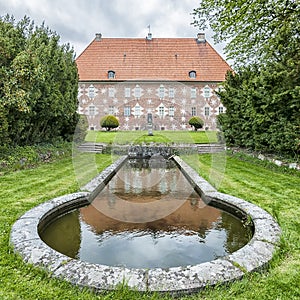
(111, 74)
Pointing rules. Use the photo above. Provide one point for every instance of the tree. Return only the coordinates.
(262, 95)
(196, 122)
(256, 31)
(109, 122)
(81, 129)
(262, 109)
(11, 43)
(39, 84)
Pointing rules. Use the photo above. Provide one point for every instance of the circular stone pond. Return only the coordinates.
(173, 254)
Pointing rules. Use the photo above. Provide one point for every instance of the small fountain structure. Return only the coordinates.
(26, 240)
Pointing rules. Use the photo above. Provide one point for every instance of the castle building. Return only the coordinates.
(168, 80)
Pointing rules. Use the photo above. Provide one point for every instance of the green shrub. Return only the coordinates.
(109, 122)
(196, 122)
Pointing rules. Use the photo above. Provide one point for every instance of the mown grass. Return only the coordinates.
(136, 137)
(275, 190)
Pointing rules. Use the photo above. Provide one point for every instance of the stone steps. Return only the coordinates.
(201, 148)
(91, 147)
(210, 148)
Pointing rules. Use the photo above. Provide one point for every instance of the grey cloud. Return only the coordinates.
(77, 21)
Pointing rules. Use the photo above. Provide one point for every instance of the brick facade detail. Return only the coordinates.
(171, 104)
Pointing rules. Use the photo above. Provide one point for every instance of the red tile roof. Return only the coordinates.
(156, 59)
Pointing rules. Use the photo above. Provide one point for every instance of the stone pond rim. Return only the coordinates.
(253, 256)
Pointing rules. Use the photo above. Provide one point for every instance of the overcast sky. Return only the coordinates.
(77, 21)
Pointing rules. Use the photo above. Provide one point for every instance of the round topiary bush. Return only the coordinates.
(196, 122)
(109, 122)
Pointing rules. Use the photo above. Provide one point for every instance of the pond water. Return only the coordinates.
(147, 216)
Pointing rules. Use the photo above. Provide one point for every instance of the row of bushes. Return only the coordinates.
(110, 122)
(16, 158)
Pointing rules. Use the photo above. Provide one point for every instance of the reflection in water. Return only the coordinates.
(66, 234)
(191, 233)
(143, 191)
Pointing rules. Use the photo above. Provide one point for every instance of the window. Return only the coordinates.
(91, 92)
(111, 110)
(161, 111)
(194, 112)
(221, 109)
(161, 92)
(111, 74)
(193, 92)
(192, 74)
(137, 111)
(206, 92)
(171, 111)
(92, 110)
(171, 92)
(206, 111)
(127, 111)
(111, 92)
(127, 92)
(137, 92)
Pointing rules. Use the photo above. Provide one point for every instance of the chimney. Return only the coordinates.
(98, 37)
(201, 37)
(149, 37)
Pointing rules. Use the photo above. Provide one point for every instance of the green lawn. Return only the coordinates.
(127, 137)
(277, 191)
(274, 189)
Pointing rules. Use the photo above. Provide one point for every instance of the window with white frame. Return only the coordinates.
(111, 110)
(171, 111)
(137, 110)
(193, 93)
(206, 111)
(221, 110)
(207, 93)
(91, 92)
(127, 111)
(127, 92)
(161, 111)
(194, 111)
(111, 92)
(137, 92)
(92, 110)
(171, 92)
(161, 92)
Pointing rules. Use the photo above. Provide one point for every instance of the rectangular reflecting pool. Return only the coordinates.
(147, 216)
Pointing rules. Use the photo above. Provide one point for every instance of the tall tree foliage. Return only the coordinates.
(261, 114)
(262, 96)
(38, 91)
(258, 30)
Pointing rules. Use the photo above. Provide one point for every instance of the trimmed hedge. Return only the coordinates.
(109, 122)
(196, 122)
